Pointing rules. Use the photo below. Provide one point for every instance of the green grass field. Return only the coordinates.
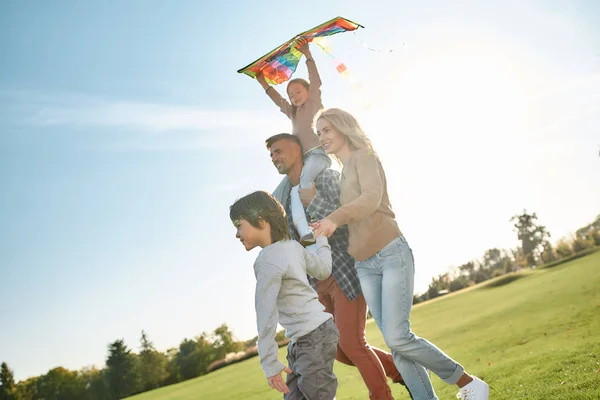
(530, 335)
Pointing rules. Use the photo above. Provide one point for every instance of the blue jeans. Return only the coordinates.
(387, 281)
(315, 161)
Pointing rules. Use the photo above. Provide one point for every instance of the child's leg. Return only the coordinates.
(315, 353)
(298, 214)
(315, 161)
(292, 379)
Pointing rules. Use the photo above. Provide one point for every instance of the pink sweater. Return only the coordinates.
(365, 206)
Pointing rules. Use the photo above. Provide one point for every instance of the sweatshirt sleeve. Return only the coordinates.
(268, 283)
(314, 90)
(280, 102)
(371, 192)
(319, 265)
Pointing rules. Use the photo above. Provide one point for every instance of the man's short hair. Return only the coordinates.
(283, 136)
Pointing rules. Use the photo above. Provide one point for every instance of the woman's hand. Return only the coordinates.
(324, 227)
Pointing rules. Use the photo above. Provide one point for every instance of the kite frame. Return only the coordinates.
(280, 49)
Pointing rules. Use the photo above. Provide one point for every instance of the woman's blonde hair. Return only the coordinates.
(345, 123)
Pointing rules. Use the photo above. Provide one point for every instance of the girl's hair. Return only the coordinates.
(261, 205)
(345, 123)
(302, 82)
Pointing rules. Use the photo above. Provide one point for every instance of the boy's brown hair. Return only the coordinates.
(261, 205)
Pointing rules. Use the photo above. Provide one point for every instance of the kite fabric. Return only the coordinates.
(279, 64)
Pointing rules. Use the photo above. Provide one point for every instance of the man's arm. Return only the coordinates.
(268, 283)
(327, 197)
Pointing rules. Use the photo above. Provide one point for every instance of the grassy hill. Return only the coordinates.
(531, 335)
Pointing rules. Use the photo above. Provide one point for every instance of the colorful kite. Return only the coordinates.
(279, 64)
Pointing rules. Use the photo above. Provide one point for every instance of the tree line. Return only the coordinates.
(127, 373)
(536, 249)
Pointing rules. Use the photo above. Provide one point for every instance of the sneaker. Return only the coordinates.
(475, 390)
(308, 239)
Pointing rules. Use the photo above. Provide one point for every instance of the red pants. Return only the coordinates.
(350, 318)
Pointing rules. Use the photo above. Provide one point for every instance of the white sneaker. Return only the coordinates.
(475, 390)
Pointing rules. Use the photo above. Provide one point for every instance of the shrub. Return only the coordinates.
(563, 249)
(548, 255)
(596, 237)
(580, 244)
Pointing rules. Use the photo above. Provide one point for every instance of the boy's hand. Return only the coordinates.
(276, 381)
(307, 195)
(302, 46)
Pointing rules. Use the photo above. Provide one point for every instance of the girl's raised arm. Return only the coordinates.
(279, 101)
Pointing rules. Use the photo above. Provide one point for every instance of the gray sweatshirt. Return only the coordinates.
(284, 296)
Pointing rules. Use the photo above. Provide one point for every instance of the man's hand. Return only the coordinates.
(307, 195)
(324, 227)
(276, 381)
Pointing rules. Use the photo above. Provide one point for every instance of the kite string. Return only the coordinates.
(339, 65)
(342, 69)
(366, 46)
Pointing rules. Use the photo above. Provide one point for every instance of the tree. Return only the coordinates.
(95, 384)
(467, 269)
(548, 254)
(60, 384)
(531, 234)
(224, 342)
(153, 365)
(588, 231)
(491, 258)
(173, 374)
(8, 390)
(563, 249)
(580, 243)
(596, 238)
(122, 372)
(190, 359)
(27, 389)
(460, 282)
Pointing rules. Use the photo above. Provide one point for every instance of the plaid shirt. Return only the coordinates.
(326, 201)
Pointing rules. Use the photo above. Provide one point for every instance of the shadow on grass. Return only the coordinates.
(504, 280)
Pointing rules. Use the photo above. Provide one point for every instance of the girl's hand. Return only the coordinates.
(324, 227)
(302, 46)
(260, 77)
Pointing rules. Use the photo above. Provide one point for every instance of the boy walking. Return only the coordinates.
(284, 296)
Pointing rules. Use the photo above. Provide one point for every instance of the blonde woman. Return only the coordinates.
(384, 261)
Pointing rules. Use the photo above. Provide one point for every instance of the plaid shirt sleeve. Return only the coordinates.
(327, 199)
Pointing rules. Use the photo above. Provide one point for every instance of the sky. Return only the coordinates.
(126, 134)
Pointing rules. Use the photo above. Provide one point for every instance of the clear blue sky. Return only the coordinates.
(126, 133)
